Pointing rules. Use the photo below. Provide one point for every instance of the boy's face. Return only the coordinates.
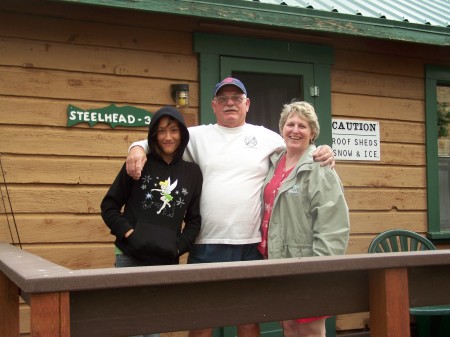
(168, 137)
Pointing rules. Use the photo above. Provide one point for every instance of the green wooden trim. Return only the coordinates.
(438, 235)
(432, 155)
(289, 17)
(273, 49)
(438, 73)
(209, 75)
(323, 102)
(434, 75)
(274, 66)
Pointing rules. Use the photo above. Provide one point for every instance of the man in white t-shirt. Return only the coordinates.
(234, 159)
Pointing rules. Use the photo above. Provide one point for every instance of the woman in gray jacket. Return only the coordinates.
(305, 212)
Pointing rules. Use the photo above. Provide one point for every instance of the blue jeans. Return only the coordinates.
(205, 253)
(123, 261)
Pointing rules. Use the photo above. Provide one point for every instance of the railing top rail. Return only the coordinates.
(34, 274)
(220, 294)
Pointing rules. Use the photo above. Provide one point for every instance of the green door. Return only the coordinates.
(270, 84)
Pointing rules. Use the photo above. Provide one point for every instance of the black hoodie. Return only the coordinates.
(157, 204)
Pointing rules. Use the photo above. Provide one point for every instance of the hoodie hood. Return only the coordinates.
(152, 139)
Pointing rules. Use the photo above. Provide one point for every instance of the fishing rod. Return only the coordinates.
(10, 206)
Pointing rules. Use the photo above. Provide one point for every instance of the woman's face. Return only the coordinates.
(297, 133)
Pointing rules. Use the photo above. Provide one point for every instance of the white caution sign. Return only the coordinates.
(356, 140)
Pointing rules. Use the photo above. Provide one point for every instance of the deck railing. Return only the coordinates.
(129, 301)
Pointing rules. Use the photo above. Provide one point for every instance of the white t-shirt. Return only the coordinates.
(234, 163)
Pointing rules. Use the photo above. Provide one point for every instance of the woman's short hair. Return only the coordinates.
(303, 110)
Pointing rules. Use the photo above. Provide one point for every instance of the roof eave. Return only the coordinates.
(287, 17)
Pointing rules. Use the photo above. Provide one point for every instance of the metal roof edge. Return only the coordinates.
(287, 17)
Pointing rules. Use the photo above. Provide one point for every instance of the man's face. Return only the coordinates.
(230, 106)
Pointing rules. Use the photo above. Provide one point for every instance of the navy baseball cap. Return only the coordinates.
(230, 81)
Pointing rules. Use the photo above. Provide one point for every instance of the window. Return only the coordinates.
(438, 150)
(443, 118)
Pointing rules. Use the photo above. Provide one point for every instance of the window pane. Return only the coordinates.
(444, 195)
(443, 118)
(443, 98)
(268, 93)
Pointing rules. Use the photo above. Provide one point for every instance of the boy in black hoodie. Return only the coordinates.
(149, 231)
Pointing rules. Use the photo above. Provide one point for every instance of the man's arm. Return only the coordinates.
(323, 154)
(137, 156)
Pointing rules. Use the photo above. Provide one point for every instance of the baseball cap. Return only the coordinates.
(230, 81)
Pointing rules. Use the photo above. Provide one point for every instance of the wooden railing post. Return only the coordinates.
(50, 315)
(389, 303)
(9, 308)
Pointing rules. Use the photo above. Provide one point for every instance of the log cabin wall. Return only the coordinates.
(60, 54)
(57, 176)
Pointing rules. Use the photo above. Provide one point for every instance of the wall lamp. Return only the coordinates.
(180, 94)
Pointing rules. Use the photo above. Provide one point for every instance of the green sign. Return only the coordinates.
(113, 115)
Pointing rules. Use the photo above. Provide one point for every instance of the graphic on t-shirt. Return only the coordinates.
(153, 198)
(166, 190)
(250, 141)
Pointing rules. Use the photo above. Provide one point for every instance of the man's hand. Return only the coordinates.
(135, 162)
(323, 154)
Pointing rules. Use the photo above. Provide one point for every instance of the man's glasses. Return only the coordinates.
(237, 99)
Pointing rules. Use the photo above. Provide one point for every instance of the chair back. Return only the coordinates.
(399, 240)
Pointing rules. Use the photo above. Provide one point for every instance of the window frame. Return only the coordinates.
(434, 75)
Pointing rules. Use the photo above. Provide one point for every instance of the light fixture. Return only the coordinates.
(180, 94)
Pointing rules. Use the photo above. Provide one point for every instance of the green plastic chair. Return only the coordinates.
(402, 240)
(399, 240)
